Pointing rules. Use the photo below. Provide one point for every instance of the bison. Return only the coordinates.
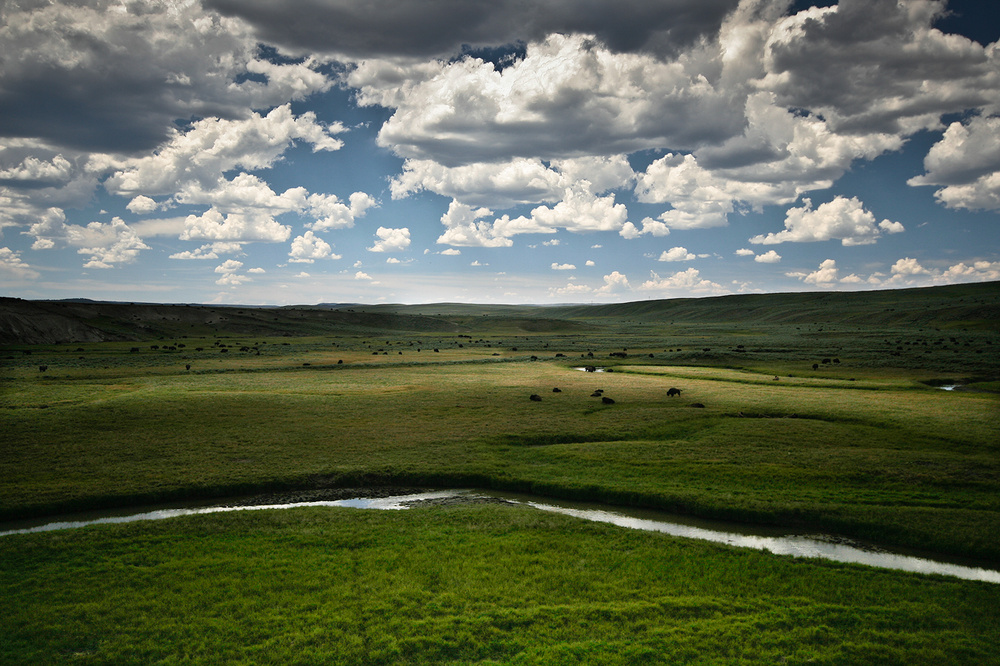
(672, 392)
(534, 397)
(606, 400)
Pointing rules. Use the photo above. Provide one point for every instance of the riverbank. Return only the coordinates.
(823, 546)
(462, 584)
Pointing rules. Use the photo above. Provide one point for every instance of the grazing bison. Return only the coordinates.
(672, 392)
(534, 397)
(591, 368)
(606, 400)
(697, 404)
(597, 394)
(557, 390)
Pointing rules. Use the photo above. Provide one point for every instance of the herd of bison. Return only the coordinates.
(599, 393)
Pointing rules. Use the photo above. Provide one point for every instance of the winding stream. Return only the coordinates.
(741, 536)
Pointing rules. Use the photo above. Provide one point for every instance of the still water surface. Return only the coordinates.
(738, 535)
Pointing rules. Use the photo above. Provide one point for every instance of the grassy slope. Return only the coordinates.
(952, 306)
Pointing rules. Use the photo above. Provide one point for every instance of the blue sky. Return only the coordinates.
(260, 152)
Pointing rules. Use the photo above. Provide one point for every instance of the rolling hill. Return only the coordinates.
(970, 306)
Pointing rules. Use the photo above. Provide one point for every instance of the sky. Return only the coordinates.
(495, 151)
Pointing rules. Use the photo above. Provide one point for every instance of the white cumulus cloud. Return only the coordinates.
(689, 281)
(391, 240)
(464, 226)
(13, 266)
(841, 219)
(309, 247)
(966, 161)
(677, 254)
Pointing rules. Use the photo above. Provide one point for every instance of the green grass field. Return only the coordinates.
(475, 584)
(862, 445)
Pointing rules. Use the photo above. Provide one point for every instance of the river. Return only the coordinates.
(742, 536)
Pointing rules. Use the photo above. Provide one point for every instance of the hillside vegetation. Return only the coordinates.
(970, 307)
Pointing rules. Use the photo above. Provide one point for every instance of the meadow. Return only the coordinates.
(830, 422)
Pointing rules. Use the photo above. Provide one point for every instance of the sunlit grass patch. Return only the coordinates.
(795, 449)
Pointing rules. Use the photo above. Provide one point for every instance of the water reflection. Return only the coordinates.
(387, 503)
(794, 545)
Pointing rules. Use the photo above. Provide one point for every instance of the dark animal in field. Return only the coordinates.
(597, 394)
(671, 392)
(534, 397)
(590, 368)
(606, 400)
(697, 404)
(43, 368)
(557, 390)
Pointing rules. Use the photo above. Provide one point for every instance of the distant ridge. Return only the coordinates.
(83, 320)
